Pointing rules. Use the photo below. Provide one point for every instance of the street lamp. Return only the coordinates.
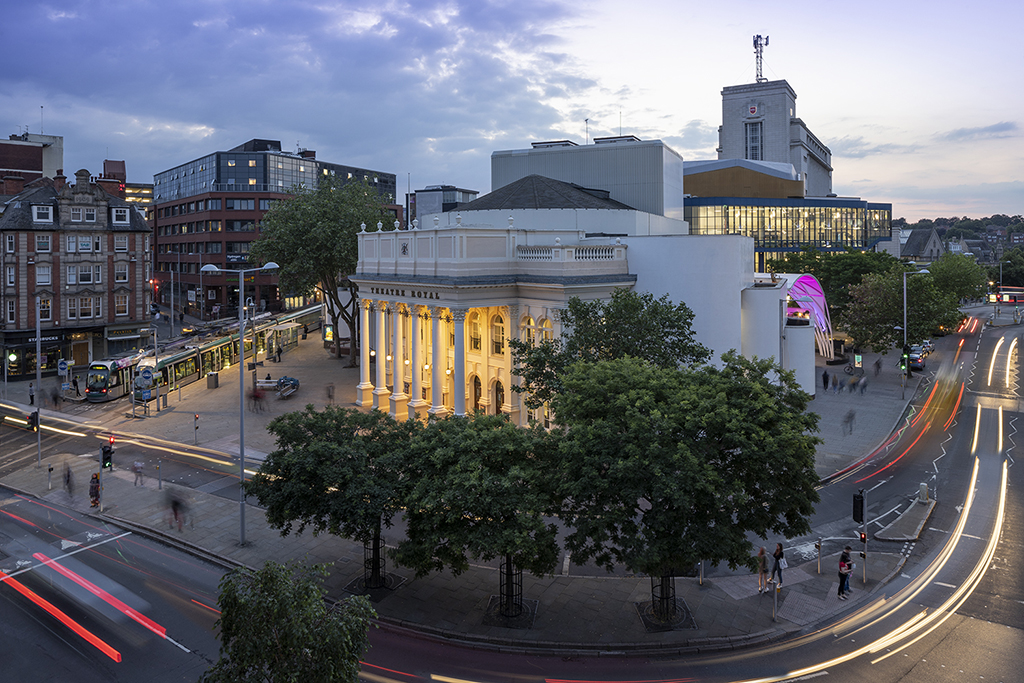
(210, 268)
(903, 381)
(8, 358)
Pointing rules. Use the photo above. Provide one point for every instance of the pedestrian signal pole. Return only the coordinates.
(195, 422)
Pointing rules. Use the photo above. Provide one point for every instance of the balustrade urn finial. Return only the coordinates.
(380, 226)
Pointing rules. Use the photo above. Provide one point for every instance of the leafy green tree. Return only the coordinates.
(874, 317)
(836, 271)
(313, 238)
(660, 468)
(480, 488)
(959, 276)
(275, 626)
(1012, 270)
(959, 233)
(630, 324)
(338, 470)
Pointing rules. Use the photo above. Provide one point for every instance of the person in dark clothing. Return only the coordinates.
(777, 566)
(845, 558)
(824, 379)
(74, 383)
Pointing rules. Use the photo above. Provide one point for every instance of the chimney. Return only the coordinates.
(13, 184)
(111, 186)
(59, 180)
(307, 153)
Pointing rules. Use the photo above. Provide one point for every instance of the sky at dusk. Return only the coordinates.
(919, 102)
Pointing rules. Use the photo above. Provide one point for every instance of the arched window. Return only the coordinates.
(498, 336)
(545, 330)
(529, 333)
(499, 397)
(474, 332)
(477, 393)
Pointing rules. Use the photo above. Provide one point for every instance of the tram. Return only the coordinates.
(109, 379)
(112, 378)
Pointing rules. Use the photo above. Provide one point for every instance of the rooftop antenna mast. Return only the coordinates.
(759, 45)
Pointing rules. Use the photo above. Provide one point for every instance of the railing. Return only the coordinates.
(598, 253)
(533, 253)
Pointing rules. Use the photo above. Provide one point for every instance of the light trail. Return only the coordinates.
(956, 407)
(1000, 429)
(1009, 356)
(103, 595)
(977, 424)
(87, 635)
(959, 347)
(992, 363)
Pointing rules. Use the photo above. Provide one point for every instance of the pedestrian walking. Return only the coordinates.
(844, 573)
(278, 353)
(779, 565)
(850, 566)
(762, 570)
(878, 365)
(849, 420)
(177, 510)
(74, 383)
(69, 480)
(824, 379)
(31, 394)
(139, 477)
(94, 490)
(863, 384)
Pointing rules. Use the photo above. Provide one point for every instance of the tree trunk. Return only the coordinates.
(374, 574)
(663, 596)
(510, 596)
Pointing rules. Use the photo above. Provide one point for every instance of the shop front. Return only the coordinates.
(19, 348)
(124, 338)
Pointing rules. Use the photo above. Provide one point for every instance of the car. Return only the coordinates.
(928, 345)
(916, 361)
(919, 350)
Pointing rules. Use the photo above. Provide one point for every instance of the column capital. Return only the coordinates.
(436, 311)
(459, 314)
(366, 304)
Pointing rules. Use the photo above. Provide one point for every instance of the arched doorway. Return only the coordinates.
(499, 397)
(477, 393)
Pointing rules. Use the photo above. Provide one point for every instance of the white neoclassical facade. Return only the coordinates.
(439, 302)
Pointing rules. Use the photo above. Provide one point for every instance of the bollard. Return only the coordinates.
(775, 602)
(922, 493)
(818, 548)
(701, 567)
(159, 476)
(49, 474)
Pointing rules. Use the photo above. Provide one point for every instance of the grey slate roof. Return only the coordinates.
(917, 241)
(540, 192)
(17, 215)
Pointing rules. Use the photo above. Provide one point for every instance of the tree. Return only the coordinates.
(874, 317)
(1012, 270)
(340, 471)
(312, 236)
(959, 233)
(479, 491)
(959, 276)
(275, 626)
(662, 467)
(630, 324)
(836, 271)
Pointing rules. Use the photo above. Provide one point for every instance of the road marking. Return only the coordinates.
(73, 552)
(944, 585)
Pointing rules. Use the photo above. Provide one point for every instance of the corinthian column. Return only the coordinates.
(381, 393)
(399, 399)
(417, 406)
(459, 371)
(365, 387)
(438, 362)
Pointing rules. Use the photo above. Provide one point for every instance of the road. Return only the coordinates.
(86, 601)
(955, 612)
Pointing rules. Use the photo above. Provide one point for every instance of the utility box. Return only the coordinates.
(922, 492)
(212, 380)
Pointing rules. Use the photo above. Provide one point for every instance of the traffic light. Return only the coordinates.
(33, 420)
(195, 419)
(863, 537)
(107, 457)
(858, 508)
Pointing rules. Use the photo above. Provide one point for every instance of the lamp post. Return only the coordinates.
(903, 379)
(210, 268)
(8, 359)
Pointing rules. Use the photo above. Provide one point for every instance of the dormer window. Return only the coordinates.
(121, 215)
(42, 214)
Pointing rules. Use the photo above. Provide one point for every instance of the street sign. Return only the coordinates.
(147, 394)
(62, 368)
(65, 386)
(147, 377)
